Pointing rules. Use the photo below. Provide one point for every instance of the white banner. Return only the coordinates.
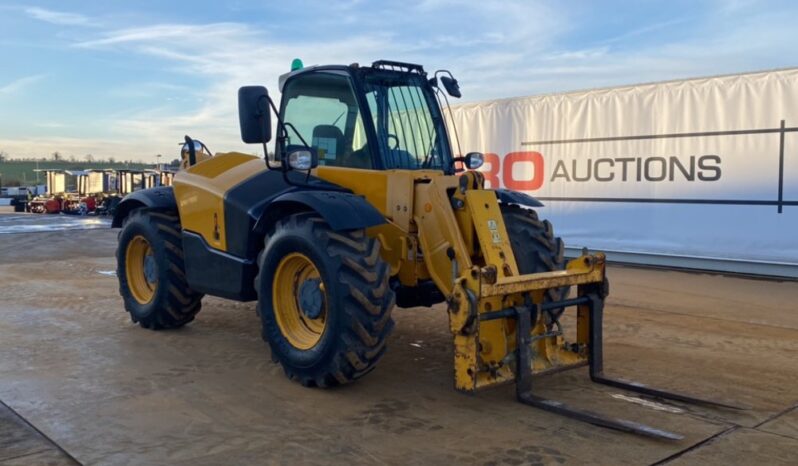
(696, 173)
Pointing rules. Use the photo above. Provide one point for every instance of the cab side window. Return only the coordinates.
(322, 108)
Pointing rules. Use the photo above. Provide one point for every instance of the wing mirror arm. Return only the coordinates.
(191, 147)
(192, 151)
(264, 119)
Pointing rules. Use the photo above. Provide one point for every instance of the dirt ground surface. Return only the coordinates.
(108, 392)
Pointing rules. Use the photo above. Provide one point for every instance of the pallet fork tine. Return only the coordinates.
(523, 388)
(596, 364)
(662, 394)
(593, 303)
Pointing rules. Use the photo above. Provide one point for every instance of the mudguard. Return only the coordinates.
(341, 210)
(506, 196)
(161, 197)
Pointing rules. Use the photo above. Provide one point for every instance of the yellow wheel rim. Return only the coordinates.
(140, 270)
(296, 282)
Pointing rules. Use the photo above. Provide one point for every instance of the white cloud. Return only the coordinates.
(59, 17)
(582, 54)
(168, 33)
(19, 84)
(647, 29)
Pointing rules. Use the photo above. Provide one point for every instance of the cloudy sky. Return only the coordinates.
(129, 79)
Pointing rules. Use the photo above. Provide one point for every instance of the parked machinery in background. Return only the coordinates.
(92, 191)
(70, 192)
(126, 181)
(19, 196)
(50, 201)
(83, 200)
(165, 177)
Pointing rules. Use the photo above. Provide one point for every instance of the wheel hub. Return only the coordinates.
(311, 298)
(150, 269)
(141, 270)
(299, 303)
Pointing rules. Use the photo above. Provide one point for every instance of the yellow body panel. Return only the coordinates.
(438, 231)
(392, 193)
(200, 191)
(369, 183)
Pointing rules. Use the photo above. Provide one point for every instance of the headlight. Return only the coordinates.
(474, 160)
(300, 159)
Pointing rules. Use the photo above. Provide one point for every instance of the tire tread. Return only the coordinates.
(534, 245)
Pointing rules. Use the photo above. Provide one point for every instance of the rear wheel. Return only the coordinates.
(535, 247)
(324, 301)
(152, 279)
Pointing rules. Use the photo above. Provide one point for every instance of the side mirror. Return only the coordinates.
(253, 115)
(452, 88)
(301, 158)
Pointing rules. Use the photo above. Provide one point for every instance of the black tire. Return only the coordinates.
(358, 301)
(173, 303)
(535, 247)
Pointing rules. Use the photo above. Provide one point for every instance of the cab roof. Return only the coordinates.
(385, 65)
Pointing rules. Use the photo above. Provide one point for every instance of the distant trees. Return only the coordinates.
(62, 158)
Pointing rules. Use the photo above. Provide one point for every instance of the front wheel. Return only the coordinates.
(535, 247)
(324, 301)
(152, 278)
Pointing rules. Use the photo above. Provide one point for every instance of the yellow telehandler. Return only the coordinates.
(364, 207)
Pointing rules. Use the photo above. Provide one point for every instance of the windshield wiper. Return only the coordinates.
(339, 117)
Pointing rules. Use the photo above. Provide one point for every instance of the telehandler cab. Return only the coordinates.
(361, 209)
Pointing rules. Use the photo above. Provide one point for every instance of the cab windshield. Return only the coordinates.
(407, 121)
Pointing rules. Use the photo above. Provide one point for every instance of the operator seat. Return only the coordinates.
(333, 150)
(329, 142)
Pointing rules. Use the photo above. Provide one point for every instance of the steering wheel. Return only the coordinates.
(393, 136)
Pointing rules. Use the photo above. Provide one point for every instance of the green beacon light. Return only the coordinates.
(296, 64)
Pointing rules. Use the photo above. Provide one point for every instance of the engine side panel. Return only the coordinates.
(200, 192)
